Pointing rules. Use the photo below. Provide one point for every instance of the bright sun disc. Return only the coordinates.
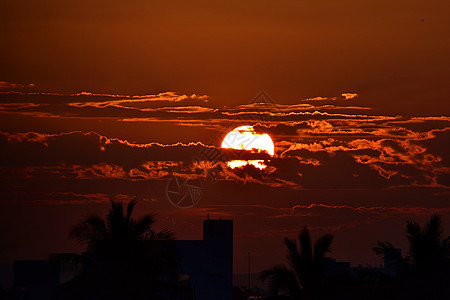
(245, 138)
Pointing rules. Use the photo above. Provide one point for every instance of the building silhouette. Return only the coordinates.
(36, 279)
(207, 264)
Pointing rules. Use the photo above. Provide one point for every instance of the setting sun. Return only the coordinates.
(246, 138)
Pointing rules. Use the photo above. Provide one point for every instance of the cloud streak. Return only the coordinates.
(11, 86)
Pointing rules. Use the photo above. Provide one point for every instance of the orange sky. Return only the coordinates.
(164, 81)
(230, 50)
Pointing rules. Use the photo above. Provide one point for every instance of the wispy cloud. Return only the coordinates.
(383, 210)
(11, 86)
(344, 96)
(133, 101)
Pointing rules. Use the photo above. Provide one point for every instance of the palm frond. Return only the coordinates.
(142, 225)
(393, 256)
(293, 253)
(165, 235)
(130, 208)
(414, 230)
(71, 262)
(91, 229)
(281, 279)
(388, 251)
(322, 246)
(433, 231)
(305, 245)
(382, 248)
(427, 246)
(115, 217)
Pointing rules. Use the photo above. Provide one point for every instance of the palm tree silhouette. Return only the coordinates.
(304, 276)
(426, 272)
(124, 259)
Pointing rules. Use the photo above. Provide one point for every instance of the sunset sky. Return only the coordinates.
(108, 100)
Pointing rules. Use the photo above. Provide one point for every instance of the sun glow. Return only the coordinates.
(245, 138)
(257, 163)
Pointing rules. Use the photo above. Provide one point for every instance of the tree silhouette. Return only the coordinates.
(426, 272)
(124, 259)
(305, 274)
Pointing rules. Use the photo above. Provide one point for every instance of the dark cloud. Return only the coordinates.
(391, 157)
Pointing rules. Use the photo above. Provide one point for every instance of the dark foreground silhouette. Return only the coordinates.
(424, 274)
(304, 277)
(124, 259)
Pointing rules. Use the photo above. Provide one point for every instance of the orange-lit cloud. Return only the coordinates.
(318, 99)
(344, 96)
(348, 96)
(388, 157)
(131, 101)
(10, 85)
